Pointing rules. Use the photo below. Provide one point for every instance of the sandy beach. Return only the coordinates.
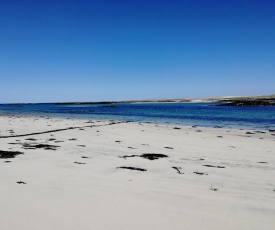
(80, 174)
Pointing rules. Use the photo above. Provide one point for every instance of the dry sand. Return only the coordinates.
(212, 178)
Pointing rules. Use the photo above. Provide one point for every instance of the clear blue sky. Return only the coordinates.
(119, 50)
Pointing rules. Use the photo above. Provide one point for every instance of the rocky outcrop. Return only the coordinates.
(248, 103)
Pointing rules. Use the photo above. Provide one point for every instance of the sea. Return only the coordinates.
(190, 114)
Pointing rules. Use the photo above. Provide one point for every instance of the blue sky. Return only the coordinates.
(122, 50)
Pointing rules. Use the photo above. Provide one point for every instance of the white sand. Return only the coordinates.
(60, 194)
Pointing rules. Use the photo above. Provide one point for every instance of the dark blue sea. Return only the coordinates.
(201, 114)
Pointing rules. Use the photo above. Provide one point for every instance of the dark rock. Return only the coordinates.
(248, 103)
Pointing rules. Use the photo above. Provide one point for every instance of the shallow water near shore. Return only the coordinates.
(201, 114)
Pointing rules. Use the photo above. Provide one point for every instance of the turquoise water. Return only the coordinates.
(201, 114)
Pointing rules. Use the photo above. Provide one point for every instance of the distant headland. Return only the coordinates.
(264, 100)
(222, 101)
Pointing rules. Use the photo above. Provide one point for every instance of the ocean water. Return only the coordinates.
(201, 114)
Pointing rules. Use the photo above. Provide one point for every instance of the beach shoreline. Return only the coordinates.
(82, 174)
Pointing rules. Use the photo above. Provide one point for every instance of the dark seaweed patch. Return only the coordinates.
(148, 156)
(178, 169)
(153, 156)
(213, 189)
(21, 182)
(56, 130)
(259, 132)
(30, 139)
(213, 166)
(168, 148)
(51, 139)
(40, 146)
(126, 156)
(132, 168)
(80, 163)
(200, 173)
(9, 154)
